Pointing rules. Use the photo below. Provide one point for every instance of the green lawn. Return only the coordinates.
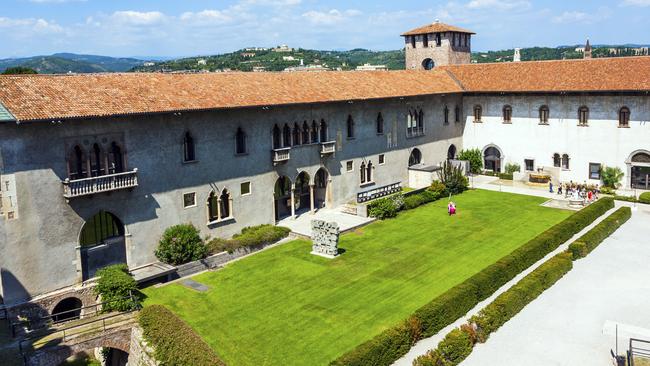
(284, 306)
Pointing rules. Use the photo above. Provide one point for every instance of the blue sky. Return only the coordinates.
(200, 27)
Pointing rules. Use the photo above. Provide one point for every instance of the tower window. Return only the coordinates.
(350, 127)
(425, 40)
(428, 64)
(413, 41)
(438, 40)
(457, 114)
(583, 116)
(543, 114)
(478, 112)
(188, 148)
(624, 117)
(507, 114)
(240, 141)
(446, 112)
(380, 124)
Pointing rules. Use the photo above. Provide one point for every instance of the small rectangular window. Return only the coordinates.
(530, 164)
(349, 166)
(381, 159)
(594, 171)
(189, 200)
(245, 188)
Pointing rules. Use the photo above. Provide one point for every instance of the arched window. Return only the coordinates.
(624, 117)
(543, 114)
(507, 114)
(314, 132)
(478, 113)
(240, 141)
(277, 139)
(224, 205)
(188, 147)
(350, 127)
(565, 161)
(446, 113)
(457, 114)
(99, 228)
(213, 207)
(369, 172)
(323, 131)
(77, 163)
(451, 152)
(115, 159)
(296, 134)
(305, 133)
(557, 160)
(421, 122)
(380, 124)
(362, 172)
(415, 158)
(286, 136)
(96, 161)
(583, 116)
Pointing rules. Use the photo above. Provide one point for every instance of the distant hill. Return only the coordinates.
(559, 53)
(61, 63)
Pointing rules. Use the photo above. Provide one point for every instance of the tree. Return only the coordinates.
(453, 179)
(475, 159)
(612, 177)
(181, 244)
(19, 70)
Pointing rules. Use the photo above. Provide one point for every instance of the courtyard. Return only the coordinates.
(285, 304)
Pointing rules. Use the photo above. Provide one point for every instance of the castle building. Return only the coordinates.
(93, 168)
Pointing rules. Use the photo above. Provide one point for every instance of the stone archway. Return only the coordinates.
(492, 158)
(67, 309)
(282, 197)
(415, 158)
(451, 152)
(101, 243)
(302, 192)
(638, 170)
(322, 188)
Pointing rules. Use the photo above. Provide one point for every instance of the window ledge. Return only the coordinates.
(620, 126)
(350, 138)
(221, 221)
(507, 123)
(241, 154)
(475, 121)
(366, 184)
(583, 125)
(543, 123)
(190, 161)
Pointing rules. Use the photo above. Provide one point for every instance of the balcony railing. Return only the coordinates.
(327, 148)
(415, 132)
(104, 183)
(280, 155)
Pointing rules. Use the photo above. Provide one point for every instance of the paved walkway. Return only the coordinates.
(302, 223)
(574, 322)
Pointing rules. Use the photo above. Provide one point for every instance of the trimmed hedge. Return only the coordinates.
(625, 198)
(588, 242)
(249, 237)
(181, 244)
(117, 288)
(388, 207)
(174, 342)
(645, 197)
(457, 301)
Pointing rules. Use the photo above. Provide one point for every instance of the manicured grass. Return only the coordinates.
(287, 307)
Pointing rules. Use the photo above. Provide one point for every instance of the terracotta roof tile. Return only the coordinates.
(590, 75)
(41, 97)
(436, 27)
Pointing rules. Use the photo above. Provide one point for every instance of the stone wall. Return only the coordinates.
(445, 54)
(141, 354)
(325, 238)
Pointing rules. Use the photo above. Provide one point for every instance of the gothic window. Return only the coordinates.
(543, 114)
(565, 161)
(323, 131)
(240, 141)
(369, 172)
(77, 163)
(96, 163)
(557, 160)
(277, 143)
(224, 205)
(380, 124)
(478, 113)
(362, 172)
(188, 147)
(296, 134)
(457, 114)
(213, 207)
(583, 116)
(314, 132)
(507, 114)
(350, 127)
(624, 117)
(115, 159)
(286, 136)
(446, 113)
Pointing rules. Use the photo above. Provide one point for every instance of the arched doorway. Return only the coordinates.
(282, 197)
(428, 64)
(451, 152)
(102, 243)
(67, 309)
(301, 194)
(639, 169)
(321, 189)
(415, 158)
(492, 159)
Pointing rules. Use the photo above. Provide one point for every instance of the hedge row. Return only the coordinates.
(173, 341)
(393, 343)
(645, 197)
(503, 176)
(588, 242)
(250, 236)
(458, 344)
(388, 207)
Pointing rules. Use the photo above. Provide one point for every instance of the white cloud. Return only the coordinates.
(206, 17)
(641, 3)
(568, 17)
(131, 17)
(499, 4)
(35, 25)
(330, 17)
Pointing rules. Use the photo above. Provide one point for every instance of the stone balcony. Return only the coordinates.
(327, 148)
(103, 183)
(280, 155)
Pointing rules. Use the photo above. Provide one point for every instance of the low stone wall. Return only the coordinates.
(141, 353)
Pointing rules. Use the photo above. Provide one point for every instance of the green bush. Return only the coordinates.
(505, 176)
(387, 207)
(607, 190)
(626, 198)
(118, 290)
(453, 179)
(457, 301)
(455, 347)
(438, 188)
(611, 177)
(181, 244)
(432, 358)
(414, 200)
(645, 197)
(249, 237)
(475, 159)
(512, 168)
(173, 341)
(589, 241)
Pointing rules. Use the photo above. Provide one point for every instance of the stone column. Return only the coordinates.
(311, 198)
(293, 202)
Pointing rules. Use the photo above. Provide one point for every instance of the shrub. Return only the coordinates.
(387, 207)
(456, 346)
(181, 244)
(432, 358)
(475, 159)
(589, 241)
(645, 197)
(512, 167)
(118, 290)
(611, 177)
(607, 190)
(438, 188)
(457, 301)
(453, 179)
(173, 341)
(249, 237)
(414, 200)
(626, 198)
(505, 176)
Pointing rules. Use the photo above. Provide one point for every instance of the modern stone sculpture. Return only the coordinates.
(325, 238)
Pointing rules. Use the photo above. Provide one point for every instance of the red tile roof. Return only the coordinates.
(436, 27)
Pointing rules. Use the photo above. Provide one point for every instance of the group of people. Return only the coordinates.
(578, 191)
